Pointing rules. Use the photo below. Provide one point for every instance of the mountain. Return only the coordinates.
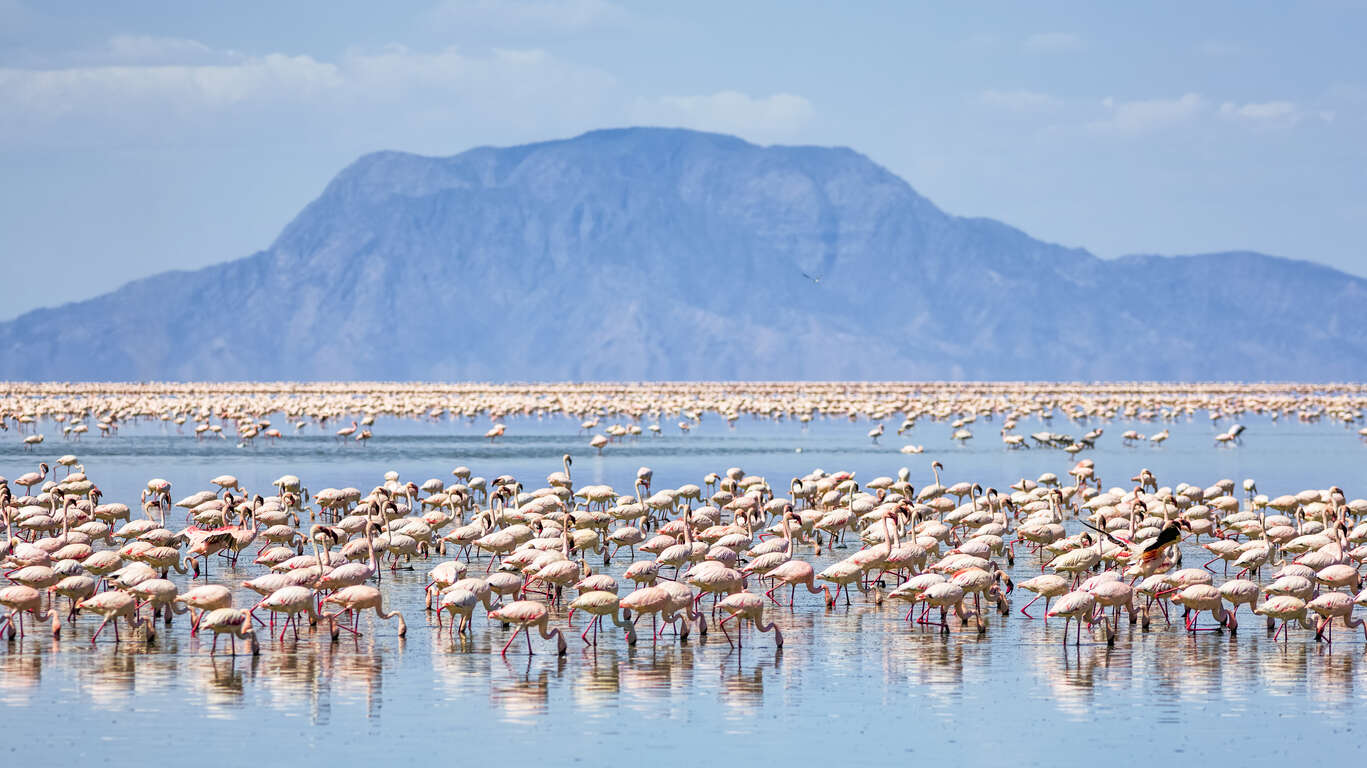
(671, 254)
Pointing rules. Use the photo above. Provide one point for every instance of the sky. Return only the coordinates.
(137, 137)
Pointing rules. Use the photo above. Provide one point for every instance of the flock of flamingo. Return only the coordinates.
(612, 412)
(717, 556)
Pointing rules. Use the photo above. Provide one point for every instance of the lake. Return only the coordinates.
(851, 684)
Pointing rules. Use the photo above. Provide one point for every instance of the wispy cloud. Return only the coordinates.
(1132, 118)
(147, 49)
(1018, 100)
(42, 92)
(135, 89)
(1263, 112)
(767, 118)
(144, 86)
(1046, 42)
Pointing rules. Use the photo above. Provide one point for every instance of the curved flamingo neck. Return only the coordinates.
(811, 583)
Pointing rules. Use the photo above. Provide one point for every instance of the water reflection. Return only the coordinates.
(742, 683)
(596, 679)
(652, 667)
(21, 670)
(524, 692)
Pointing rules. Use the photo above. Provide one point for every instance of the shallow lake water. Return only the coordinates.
(851, 683)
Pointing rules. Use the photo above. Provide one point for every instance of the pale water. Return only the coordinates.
(852, 684)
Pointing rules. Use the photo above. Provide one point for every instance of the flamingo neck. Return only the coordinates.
(370, 550)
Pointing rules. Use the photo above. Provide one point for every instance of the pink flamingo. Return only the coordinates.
(526, 614)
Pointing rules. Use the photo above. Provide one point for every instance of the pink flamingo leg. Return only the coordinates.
(510, 641)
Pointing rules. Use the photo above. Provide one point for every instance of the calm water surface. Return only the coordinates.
(853, 681)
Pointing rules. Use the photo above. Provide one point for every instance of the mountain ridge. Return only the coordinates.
(642, 253)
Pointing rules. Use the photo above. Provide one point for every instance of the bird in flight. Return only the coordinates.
(1153, 550)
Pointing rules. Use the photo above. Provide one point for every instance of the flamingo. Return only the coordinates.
(1074, 606)
(357, 598)
(209, 597)
(1204, 597)
(113, 605)
(599, 603)
(1047, 586)
(1334, 605)
(21, 599)
(1285, 608)
(526, 614)
(235, 623)
(30, 479)
(747, 606)
(290, 600)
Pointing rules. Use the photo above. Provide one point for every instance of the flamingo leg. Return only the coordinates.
(510, 641)
(98, 630)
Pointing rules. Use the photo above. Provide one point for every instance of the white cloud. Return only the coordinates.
(1019, 100)
(506, 72)
(1046, 42)
(1262, 112)
(140, 91)
(118, 101)
(118, 86)
(145, 49)
(1131, 118)
(769, 118)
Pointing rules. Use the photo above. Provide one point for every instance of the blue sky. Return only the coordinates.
(143, 136)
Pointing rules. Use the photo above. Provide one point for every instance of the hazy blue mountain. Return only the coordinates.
(671, 254)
